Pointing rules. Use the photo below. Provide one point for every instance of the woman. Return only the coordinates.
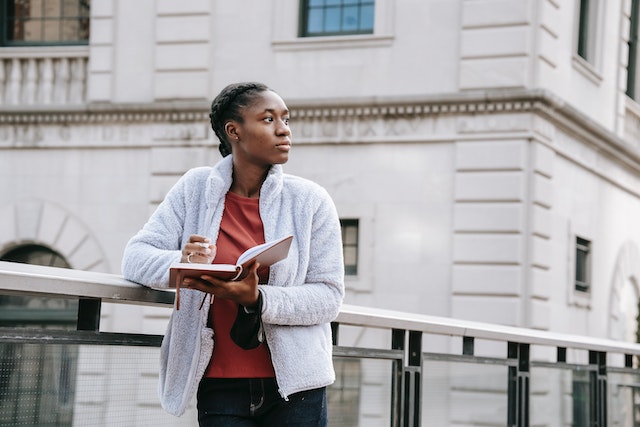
(244, 200)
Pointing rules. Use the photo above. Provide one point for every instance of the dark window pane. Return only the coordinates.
(51, 30)
(582, 264)
(581, 401)
(350, 255)
(632, 62)
(350, 234)
(350, 245)
(44, 22)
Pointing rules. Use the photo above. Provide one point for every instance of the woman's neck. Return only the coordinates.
(248, 182)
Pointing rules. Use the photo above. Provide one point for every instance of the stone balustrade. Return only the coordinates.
(43, 76)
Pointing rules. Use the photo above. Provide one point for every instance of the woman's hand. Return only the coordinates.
(198, 250)
(244, 292)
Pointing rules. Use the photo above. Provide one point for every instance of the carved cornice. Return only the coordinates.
(106, 113)
(367, 119)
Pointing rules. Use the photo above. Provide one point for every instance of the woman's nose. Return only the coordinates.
(283, 128)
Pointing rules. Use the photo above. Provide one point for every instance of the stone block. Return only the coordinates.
(499, 72)
(101, 59)
(497, 41)
(99, 86)
(183, 56)
(71, 237)
(102, 31)
(487, 248)
(52, 221)
(183, 29)
(542, 190)
(183, 7)
(541, 221)
(490, 13)
(490, 309)
(540, 283)
(487, 279)
(28, 214)
(7, 224)
(541, 251)
(539, 315)
(491, 155)
(182, 85)
(490, 186)
(543, 159)
(160, 186)
(488, 217)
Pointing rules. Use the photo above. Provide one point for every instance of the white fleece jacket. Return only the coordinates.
(303, 295)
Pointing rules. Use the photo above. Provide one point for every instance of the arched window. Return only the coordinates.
(37, 381)
(19, 311)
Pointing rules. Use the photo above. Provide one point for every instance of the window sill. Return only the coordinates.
(586, 69)
(333, 42)
(75, 51)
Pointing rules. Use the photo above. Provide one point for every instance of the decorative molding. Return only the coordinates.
(373, 119)
(34, 221)
(626, 274)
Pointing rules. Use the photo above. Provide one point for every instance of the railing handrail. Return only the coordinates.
(28, 279)
(390, 319)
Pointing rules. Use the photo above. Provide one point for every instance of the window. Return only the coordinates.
(350, 245)
(44, 22)
(581, 398)
(336, 17)
(343, 396)
(37, 381)
(632, 70)
(583, 264)
(587, 24)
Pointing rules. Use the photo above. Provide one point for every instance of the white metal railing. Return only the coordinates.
(406, 352)
(55, 75)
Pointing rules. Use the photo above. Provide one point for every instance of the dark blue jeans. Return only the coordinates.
(256, 402)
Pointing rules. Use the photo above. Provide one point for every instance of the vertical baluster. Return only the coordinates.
(15, 79)
(2, 81)
(46, 84)
(76, 90)
(61, 81)
(30, 82)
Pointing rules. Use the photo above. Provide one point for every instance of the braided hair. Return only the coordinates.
(228, 106)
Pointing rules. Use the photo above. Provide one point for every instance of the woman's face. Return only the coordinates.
(264, 137)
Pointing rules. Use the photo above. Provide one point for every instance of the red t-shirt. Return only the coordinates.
(240, 229)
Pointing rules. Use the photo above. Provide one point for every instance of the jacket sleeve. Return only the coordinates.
(149, 254)
(319, 298)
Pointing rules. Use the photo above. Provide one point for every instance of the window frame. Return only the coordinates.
(632, 45)
(7, 8)
(587, 16)
(303, 21)
(345, 223)
(582, 264)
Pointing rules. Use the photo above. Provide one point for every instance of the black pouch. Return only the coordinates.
(247, 331)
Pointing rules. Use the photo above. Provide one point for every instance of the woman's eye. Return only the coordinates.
(286, 120)
(268, 119)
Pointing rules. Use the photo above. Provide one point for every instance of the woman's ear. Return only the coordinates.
(231, 129)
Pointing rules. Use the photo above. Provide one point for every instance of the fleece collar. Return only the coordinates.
(221, 176)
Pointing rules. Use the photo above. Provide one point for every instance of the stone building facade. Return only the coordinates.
(488, 149)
